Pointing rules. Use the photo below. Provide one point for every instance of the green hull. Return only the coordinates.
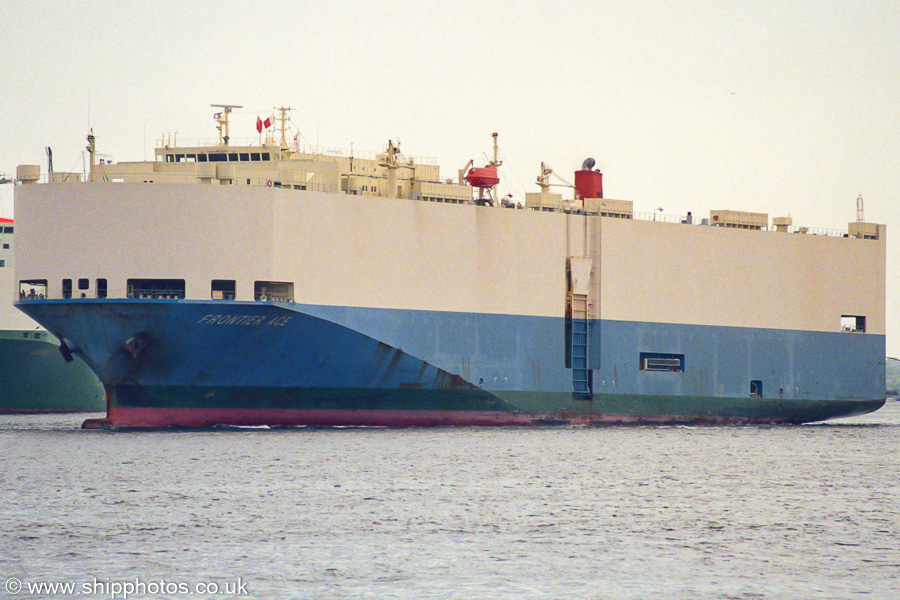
(201, 406)
(34, 377)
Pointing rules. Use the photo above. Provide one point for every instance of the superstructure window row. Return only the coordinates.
(219, 157)
(153, 289)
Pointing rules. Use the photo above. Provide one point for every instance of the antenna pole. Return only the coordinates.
(495, 162)
(284, 119)
(91, 148)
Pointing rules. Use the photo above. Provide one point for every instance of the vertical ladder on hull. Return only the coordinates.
(581, 385)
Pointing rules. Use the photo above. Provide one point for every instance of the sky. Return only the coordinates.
(784, 107)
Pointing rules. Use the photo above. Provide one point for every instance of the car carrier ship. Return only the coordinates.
(34, 377)
(269, 284)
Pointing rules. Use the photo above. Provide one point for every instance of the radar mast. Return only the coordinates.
(222, 120)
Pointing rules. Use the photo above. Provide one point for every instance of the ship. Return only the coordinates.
(34, 376)
(274, 284)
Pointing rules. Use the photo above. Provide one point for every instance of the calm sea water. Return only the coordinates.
(621, 512)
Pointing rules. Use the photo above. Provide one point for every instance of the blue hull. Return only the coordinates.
(188, 362)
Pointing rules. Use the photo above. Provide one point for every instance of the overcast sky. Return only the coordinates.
(782, 107)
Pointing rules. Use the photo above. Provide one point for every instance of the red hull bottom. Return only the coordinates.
(202, 417)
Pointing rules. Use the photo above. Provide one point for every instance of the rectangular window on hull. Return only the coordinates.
(101, 288)
(658, 361)
(223, 289)
(853, 323)
(166, 289)
(66, 288)
(273, 291)
(756, 388)
(33, 289)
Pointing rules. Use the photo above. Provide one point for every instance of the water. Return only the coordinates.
(629, 512)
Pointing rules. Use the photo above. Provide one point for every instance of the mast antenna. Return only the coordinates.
(222, 120)
(860, 210)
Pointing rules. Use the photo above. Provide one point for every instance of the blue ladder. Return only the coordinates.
(580, 383)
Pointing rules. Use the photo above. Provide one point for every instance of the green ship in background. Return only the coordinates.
(34, 375)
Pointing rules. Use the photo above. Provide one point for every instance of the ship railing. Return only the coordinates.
(171, 142)
(820, 231)
(309, 150)
(156, 294)
(695, 220)
(661, 217)
(31, 295)
(264, 297)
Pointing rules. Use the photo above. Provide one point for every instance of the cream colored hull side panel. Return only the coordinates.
(659, 272)
(337, 249)
(349, 250)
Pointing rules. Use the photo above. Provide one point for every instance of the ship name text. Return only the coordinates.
(243, 320)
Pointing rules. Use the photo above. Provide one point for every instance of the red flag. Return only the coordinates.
(268, 122)
(259, 125)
